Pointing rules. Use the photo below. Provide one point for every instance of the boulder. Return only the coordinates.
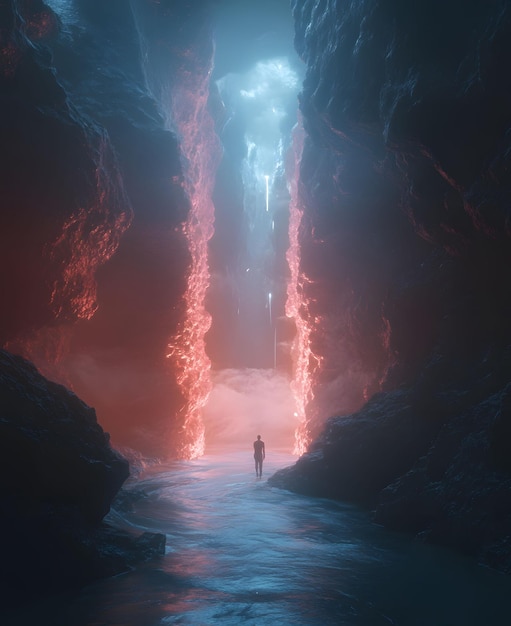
(431, 460)
(58, 477)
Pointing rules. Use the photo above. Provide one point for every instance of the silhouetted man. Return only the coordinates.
(259, 455)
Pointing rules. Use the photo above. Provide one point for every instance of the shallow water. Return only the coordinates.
(240, 552)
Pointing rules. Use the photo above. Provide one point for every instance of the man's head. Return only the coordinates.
(259, 436)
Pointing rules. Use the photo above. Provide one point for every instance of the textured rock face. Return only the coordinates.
(431, 459)
(405, 179)
(61, 452)
(58, 476)
(67, 221)
(93, 205)
(123, 347)
(356, 456)
(459, 492)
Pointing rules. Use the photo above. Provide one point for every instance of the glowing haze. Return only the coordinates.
(261, 383)
(260, 101)
(261, 398)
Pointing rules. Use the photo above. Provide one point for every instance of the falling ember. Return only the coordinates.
(200, 152)
(296, 304)
(275, 349)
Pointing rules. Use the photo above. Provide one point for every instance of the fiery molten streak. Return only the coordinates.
(88, 239)
(200, 151)
(304, 360)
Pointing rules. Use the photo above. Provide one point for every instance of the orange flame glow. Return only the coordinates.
(200, 148)
(88, 239)
(304, 361)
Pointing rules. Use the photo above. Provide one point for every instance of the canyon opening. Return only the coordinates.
(229, 218)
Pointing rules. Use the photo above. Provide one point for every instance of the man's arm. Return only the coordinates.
(264, 452)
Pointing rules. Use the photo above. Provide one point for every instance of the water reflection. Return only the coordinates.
(240, 552)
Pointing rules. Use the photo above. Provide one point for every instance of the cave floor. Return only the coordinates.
(240, 552)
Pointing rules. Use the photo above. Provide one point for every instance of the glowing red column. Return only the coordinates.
(304, 361)
(200, 150)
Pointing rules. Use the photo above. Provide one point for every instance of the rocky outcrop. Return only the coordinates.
(358, 455)
(432, 459)
(406, 187)
(459, 492)
(58, 476)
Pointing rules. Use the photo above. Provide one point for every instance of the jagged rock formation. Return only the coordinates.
(93, 205)
(406, 183)
(67, 221)
(58, 477)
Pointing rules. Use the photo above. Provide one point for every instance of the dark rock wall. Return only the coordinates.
(93, 252)
(60, 186)
(405, 178)
(406, 183)
(118, 360)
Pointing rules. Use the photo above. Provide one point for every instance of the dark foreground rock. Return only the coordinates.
(58, 477)
(433, 460)
(459, 493)
(358, 455)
